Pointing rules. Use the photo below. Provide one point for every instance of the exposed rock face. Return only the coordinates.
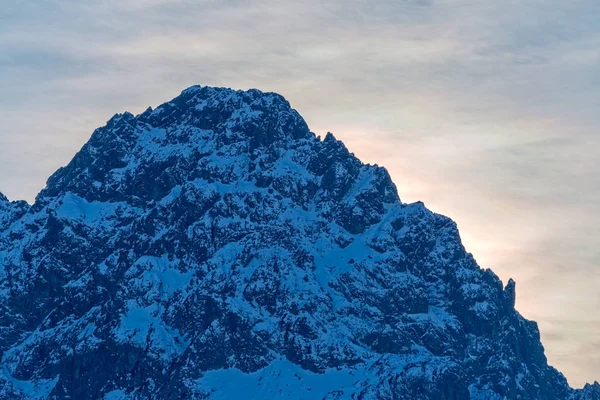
(215, 248)
(10, 211)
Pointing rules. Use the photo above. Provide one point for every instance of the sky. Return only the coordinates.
(487, 111)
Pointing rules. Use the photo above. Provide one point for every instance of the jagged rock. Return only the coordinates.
(215, 248)
(510, 294)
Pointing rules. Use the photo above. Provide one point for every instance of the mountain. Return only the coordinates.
(216, 248)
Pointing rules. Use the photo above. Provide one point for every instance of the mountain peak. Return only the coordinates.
(200, 120)
(215, 239)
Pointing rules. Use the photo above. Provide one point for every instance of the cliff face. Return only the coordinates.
(215, 248)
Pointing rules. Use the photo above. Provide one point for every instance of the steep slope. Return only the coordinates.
(215, 248)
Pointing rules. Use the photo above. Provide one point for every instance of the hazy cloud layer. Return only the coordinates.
(487, 111)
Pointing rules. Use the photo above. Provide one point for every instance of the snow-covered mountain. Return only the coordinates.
(216, 248)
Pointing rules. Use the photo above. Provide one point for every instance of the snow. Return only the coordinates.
(96, 214)
(143, 326)
(159, 274)
(437, 316)
(116, 395)
(280, 380)
(39, 389)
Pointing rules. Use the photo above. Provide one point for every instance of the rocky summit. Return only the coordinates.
(215, 248)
